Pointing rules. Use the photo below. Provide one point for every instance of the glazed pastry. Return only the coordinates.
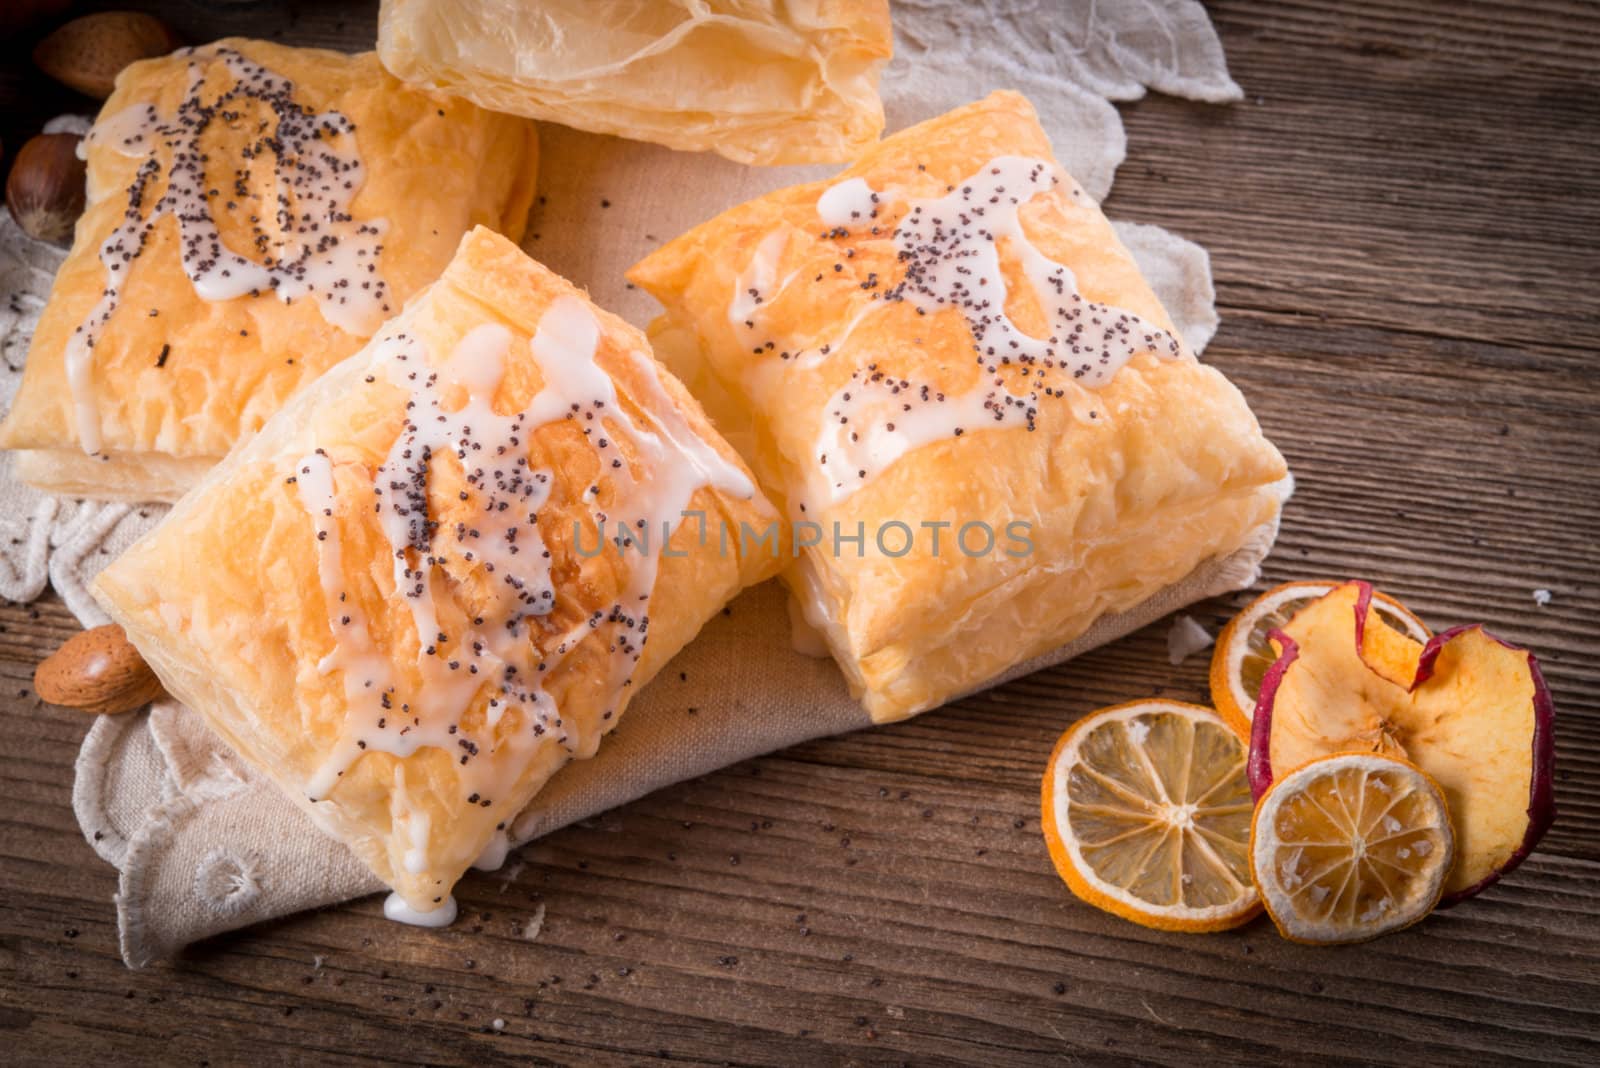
(409, 599)
(255, 212)
(950, 374)
(758, 81)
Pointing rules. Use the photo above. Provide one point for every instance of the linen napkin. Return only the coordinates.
(204, 844)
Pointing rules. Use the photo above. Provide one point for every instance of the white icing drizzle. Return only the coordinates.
(494, 854)
(755, 284)
(396, 909)
(305, 242)
(848, 203)
(806, 358)
(366, 671)
(805, 637)
(950, 247)
(877, 419)
(416, 858)
(416, 823)
(495, 651)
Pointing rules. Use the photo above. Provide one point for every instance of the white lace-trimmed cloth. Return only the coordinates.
(204, 844)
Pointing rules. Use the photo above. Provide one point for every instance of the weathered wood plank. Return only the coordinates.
(1401, 219)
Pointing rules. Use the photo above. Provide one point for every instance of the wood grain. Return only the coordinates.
(1401, 218)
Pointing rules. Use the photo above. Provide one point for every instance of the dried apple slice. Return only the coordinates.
(1470, 710)
(1244, 650)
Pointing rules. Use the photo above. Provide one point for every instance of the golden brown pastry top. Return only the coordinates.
(298, 173)
(950, 332)
(394, 599)
(757, 81)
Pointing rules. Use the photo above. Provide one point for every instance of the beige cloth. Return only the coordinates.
(206, 845)
(222, 848)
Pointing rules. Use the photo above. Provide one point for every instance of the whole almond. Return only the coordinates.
(88, 53)
(97, 671)
(45, 190)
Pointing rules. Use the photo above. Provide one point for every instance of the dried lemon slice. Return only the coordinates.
(1350, 847)
(1147, 816)
(1244, 653)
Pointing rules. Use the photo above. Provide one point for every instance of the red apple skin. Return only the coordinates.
(1258, 767)
(1541, 794)
(1542, 790)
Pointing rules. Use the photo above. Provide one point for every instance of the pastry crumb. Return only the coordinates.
(1541, 597)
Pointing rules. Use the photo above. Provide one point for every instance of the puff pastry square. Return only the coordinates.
(759, 81)
(395, 599)
(950, 334)
(255, 213)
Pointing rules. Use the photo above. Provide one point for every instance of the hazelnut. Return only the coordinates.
(88, 53)
(45, 191)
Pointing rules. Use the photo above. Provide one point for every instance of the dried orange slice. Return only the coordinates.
(1244, 650)
(1350, 847)
(1146, 812)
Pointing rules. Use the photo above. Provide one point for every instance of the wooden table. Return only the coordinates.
(1402, 218)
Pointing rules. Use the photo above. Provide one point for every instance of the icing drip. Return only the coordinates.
(950, 249)
(495, 652)
(304, 242)
(756, 284)
(878, 418)
(396, 909)
(848, 203)
(493, 856)
(805, 637)
(366, 671)
(814, 357)
(416, 858)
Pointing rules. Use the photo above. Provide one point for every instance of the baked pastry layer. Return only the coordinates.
(395, 599)
(949, 335)
(254, 213)
(758, 81)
